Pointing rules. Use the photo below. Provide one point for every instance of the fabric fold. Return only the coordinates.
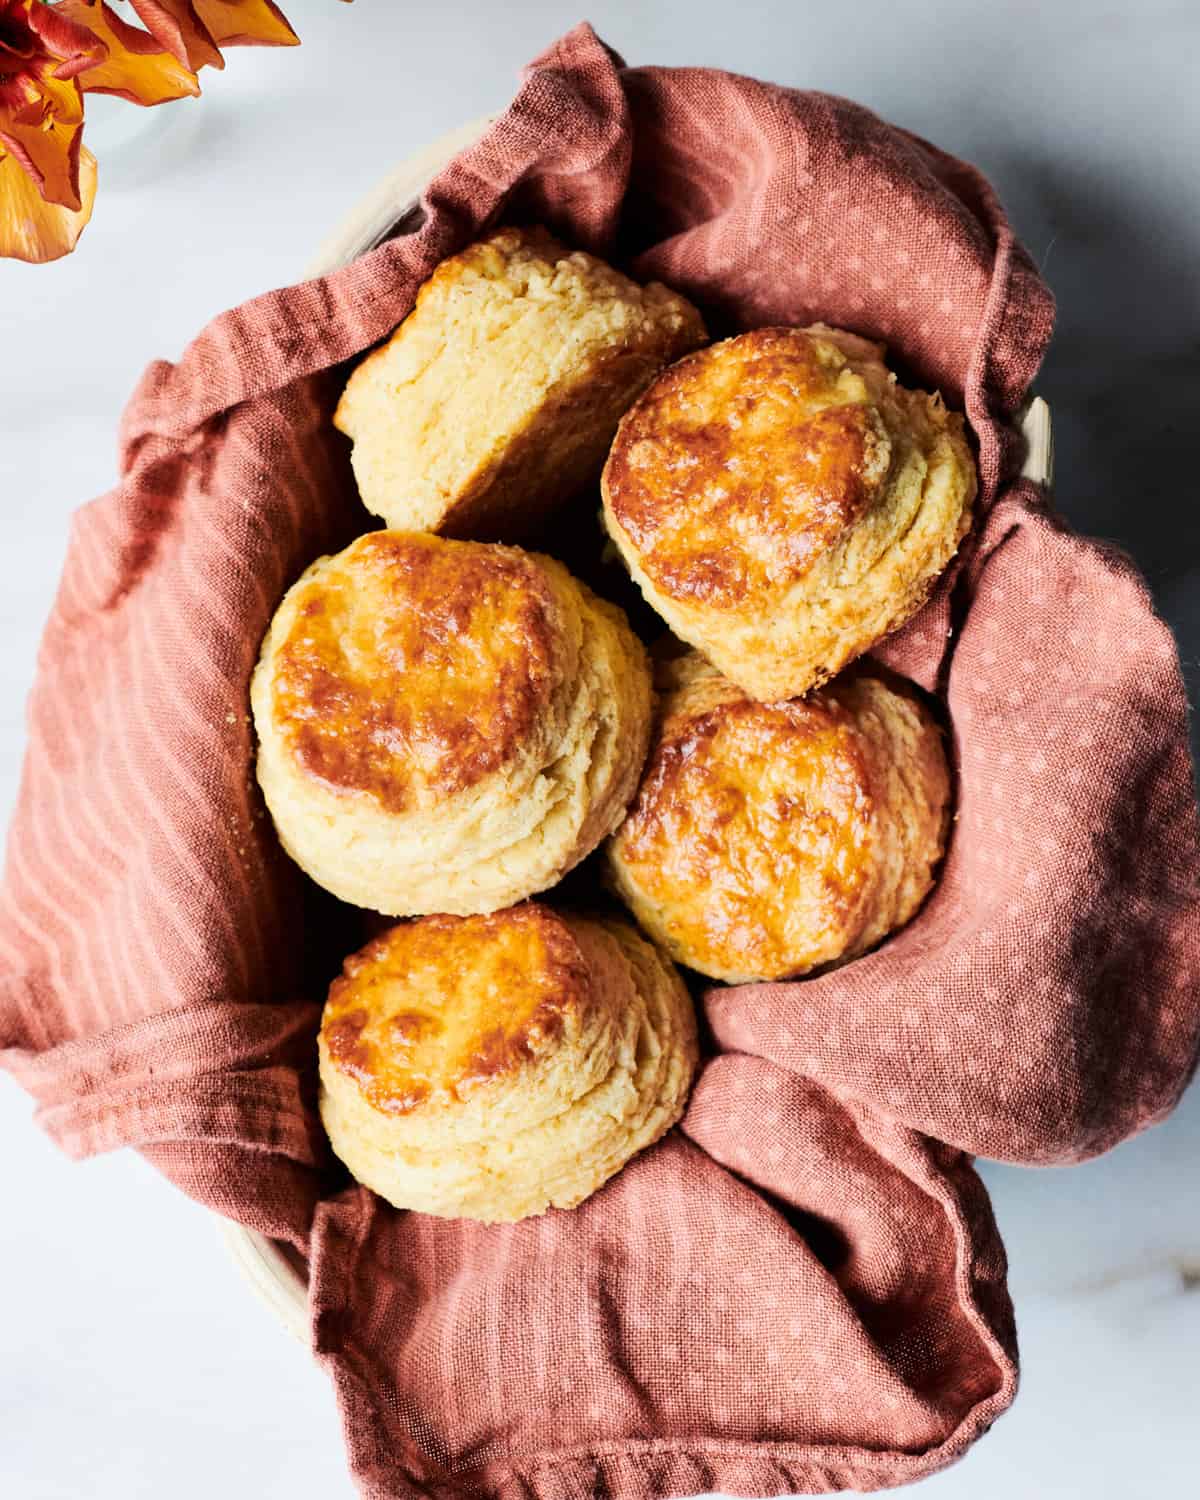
(826, 1302)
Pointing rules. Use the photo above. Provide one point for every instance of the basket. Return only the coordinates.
(273, 1270)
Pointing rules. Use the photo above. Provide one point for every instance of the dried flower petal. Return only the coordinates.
(41, 109)
(175, 25)
(40, 119)
(246, 23)
(73, 46)
(32, 229)
(137, 68)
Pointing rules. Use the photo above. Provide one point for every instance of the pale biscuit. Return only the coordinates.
(493, 1067)
(783, 503)
(769, 839)
(446, 726)
(499, 394)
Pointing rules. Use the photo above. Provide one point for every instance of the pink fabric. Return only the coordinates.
(803, 1288)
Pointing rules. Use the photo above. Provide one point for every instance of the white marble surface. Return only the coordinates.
(133, 1362)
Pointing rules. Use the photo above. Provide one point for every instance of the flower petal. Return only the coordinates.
(71, 44)
(45, 139)
(246, 23)
(32, 229)
(16, 37)
(19, 97)
(136, 67)
(175, 25)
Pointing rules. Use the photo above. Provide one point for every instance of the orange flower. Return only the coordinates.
(44, 202)
(246, 23)
(53, 54)
(192, 29)
(30, 227)
(135, 66)
(41, 110)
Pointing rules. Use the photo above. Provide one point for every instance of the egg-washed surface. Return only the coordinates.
(493, 1067)
(768, 839)
(412, 668)
(432, 1011)
(745, 462)
(446, 726)
(497, 397)
(783, 502)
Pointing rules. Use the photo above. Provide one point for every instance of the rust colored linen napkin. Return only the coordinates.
(802, 1288)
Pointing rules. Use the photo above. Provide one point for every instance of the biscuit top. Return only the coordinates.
(408, 667)
(435, 1010)
(773, 438)
(498, 396)
(532, 269)
(754, 828)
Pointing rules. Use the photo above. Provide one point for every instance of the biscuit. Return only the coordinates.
(499, 394)
(767, 839)
(492, 1067)
(783, 503)
(446, 726)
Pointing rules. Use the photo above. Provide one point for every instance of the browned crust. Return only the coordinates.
(442, 1006)
(748, 439)
(739, 801)
(416, 665)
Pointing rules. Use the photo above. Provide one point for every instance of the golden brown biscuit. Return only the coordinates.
(499, 394)
(446, 726)
(783, 503)
(767, 839)
(492, 1067)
